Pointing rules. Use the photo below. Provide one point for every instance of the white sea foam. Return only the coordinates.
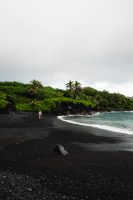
(126, 111)
(104, 127)
(96, 114)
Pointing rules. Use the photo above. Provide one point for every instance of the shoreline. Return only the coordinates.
(99, 126)
(87, 172)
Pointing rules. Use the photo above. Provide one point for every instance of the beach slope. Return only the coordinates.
(99, 164)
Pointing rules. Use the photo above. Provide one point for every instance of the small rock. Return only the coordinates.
(29, 189)
(60, 149)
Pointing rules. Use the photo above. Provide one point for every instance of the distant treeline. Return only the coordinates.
(32, 97)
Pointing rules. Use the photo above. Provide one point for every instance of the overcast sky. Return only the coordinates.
(55, 41)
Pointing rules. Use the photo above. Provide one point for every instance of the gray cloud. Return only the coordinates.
(55, 41)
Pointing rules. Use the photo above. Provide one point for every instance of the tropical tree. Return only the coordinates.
(34, 87)
(70, 87)
(89, 91)
(77, 89)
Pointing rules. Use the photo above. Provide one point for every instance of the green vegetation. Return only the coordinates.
(3, 101)
(33, 88)
(74, 89)
(34, 96)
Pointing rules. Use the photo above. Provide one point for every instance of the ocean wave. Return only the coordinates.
(126, 111)
(96, 114)
(104, 127)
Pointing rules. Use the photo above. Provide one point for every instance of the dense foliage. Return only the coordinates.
(34, 97)
(3, 101)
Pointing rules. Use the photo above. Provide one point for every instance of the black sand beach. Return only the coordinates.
(99, 165)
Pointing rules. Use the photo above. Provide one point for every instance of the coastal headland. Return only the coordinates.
(99, 164)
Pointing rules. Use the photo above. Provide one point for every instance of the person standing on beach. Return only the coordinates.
(40, 114)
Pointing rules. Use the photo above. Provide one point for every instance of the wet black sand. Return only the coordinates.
(99, 165)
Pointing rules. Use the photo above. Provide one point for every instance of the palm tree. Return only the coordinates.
(77, 88)
(33, 87)
(70, 87)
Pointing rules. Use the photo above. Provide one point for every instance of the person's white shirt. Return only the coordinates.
(40, 114)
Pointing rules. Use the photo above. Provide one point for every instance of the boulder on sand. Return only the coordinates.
(60, 149)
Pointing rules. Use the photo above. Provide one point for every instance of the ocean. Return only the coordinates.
(121, 122)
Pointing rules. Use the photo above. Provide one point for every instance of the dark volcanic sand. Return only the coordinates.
(99, 165)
